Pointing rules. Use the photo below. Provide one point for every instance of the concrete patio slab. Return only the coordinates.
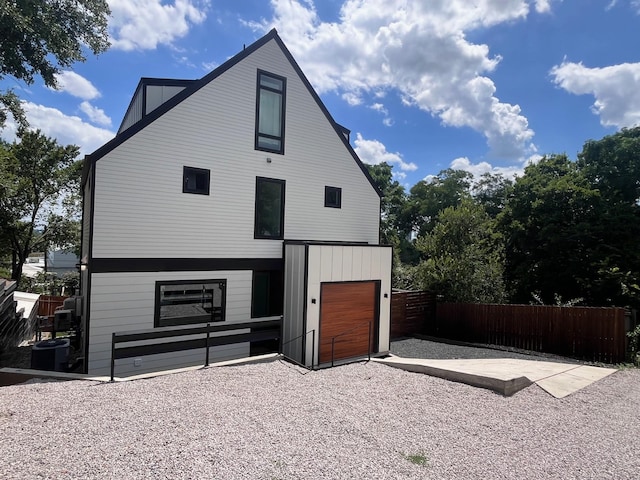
(506, 376)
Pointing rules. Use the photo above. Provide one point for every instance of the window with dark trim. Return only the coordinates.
(195, 180)
(184, 302)
(270, 108)
(333, 197)
(266, 293)
(269, 217)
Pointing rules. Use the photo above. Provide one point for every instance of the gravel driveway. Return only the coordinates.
(276, 421)
(417, 348)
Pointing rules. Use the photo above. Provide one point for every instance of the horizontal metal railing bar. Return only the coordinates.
(142, 350)
(168, 332)
(259, 331)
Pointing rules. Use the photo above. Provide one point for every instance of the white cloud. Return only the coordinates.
(76, 85)
(95, 114)
(616, 90)
(67, 130)
(480, 168)
(352, 98)
(543, 6)
(144, 24)
(374, 152)
(417, 49)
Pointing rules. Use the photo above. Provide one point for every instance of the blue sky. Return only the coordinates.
(488, 85)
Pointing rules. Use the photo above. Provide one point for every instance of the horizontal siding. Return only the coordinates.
(122, 302)
(142, 212)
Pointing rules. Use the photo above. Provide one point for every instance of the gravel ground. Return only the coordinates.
(416, 348)
(276, 421)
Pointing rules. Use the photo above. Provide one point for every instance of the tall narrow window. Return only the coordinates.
(269, 220)
(270, 112)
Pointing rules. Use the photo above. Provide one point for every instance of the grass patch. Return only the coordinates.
(419, 459)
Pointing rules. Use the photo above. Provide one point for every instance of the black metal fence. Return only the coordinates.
(260, 331)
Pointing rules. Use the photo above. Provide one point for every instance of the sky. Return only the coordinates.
(425, 85)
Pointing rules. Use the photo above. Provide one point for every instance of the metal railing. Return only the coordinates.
(264, 330)
(302, 350)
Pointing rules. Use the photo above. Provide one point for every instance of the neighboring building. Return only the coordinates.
(61, 262)
(232, 198)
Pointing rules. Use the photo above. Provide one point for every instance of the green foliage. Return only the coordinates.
(34, 174)
(548, 224)
(492, 191)
(392, 202)
(41, 36)
(428, 198)
(463, 256)
(419, 459)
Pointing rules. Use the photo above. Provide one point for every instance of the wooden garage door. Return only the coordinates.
(346, 310)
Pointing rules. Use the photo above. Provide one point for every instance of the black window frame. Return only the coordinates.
(256, 234)
(197, 171)
(274, 294)
(283, 93)
(327, 200)
(216, 316)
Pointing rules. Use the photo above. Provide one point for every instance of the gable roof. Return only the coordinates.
(192, 86)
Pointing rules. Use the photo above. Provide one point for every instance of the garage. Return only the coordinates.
(337, 297)
(348, 319)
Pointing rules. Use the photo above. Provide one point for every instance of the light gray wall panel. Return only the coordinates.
(142, 212)
(293, 319)
(134, 114)
(122, 302)
(158, 94)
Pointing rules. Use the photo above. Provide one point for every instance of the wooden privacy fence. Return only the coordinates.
(595, 334)
(47, 305)
(411, 312)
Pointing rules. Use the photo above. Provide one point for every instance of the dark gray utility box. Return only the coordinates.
(51, 355)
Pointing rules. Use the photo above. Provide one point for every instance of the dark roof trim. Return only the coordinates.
(196, 85)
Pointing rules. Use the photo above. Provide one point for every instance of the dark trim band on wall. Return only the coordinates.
(113, 265)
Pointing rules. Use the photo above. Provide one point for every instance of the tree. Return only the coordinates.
(393, 199)
(463, 253)
(549, 223)
(492, 192)
(34, 174)
(41, 36)
(612, 167)
(428, 198)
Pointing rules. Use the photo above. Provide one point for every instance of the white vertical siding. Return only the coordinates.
(125, 302)
(357, 263)
(140, 209)
(158, 94)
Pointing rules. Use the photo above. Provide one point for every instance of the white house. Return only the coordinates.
(233, 198)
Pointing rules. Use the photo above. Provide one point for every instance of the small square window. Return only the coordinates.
(333, 197)
(195, 180)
